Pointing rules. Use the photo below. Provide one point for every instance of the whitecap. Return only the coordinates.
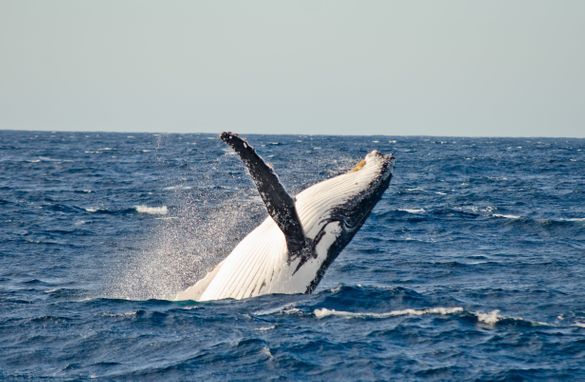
(580, 324)
(47, 159)
(285, 309)
(179, 187)
(324, 312)
(142, 209)
(487, 210)
(416, 211)
(489, 318)
(506, 216)
(492, 318)
(266, 328)
(266, 351)
(573, 220)
(337, 288)
(130, 314)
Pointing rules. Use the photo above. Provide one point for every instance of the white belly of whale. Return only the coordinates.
(259, 265)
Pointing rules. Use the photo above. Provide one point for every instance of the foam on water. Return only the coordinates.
(489, 318)
(574, 219)
(142, 209)
(324, 312)
(507, 216)
(416, 211)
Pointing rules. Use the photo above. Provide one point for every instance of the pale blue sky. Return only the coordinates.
(488, 68)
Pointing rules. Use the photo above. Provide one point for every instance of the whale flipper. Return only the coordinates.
(279, 203)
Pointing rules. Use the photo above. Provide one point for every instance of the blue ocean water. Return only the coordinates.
(471, 267)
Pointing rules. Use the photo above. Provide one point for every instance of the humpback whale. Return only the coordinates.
(290, 250)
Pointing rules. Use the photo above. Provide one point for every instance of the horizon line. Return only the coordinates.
(290, 134)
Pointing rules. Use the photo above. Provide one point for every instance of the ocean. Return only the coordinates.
(471, 267)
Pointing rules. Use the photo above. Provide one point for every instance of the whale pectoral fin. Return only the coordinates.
(280, 205)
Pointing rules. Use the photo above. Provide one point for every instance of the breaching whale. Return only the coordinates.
(290, 251)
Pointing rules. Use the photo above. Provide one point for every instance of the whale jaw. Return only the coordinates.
(275, 257)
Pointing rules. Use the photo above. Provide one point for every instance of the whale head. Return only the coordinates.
(361, 189)
(347, 198)
(333, 210)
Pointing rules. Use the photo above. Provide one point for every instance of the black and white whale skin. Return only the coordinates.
(290, 251)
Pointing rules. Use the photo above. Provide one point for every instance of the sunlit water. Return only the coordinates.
(472, 266)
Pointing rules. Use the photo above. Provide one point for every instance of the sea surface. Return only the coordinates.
(471, 267)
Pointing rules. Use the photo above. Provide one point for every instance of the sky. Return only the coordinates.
(445, 68)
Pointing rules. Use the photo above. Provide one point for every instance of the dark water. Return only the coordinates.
(472, 266)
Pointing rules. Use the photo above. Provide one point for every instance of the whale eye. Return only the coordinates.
(359, 166)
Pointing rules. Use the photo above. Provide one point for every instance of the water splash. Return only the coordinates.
(183, 249)
(191, 238)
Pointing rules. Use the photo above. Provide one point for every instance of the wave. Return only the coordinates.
(178, 187)
(143, 209)
(130, 314)
(507, 216)
(324, 312)
(47, 159)
(102, 210)
(99, 150)
(494, 317)
(416, 211)
(481, 212)
(572, 219)
(489, 319)
(285, 309)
